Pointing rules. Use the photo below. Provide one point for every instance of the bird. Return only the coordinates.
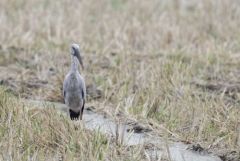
(74, 89)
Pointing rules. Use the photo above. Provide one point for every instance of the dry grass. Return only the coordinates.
(169, 63)
(28, 133)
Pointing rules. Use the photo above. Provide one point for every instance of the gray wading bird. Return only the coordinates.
(74, 89)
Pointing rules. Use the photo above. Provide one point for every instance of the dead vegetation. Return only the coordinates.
(173, 65)
(28, 133)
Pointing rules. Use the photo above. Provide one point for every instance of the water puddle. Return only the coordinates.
(176, 151)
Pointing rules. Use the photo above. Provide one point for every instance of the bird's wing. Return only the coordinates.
(84, 93)
(64, 94)
(64, 88)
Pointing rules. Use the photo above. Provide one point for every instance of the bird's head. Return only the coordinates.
(75, 51)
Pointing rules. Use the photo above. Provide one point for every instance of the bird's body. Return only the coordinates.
(74, 89)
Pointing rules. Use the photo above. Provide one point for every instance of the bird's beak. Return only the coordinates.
(80, 60)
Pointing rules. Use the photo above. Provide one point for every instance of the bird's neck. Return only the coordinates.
(74, 64)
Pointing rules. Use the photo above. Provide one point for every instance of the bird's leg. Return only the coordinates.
(82, 110)
(80, 115)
